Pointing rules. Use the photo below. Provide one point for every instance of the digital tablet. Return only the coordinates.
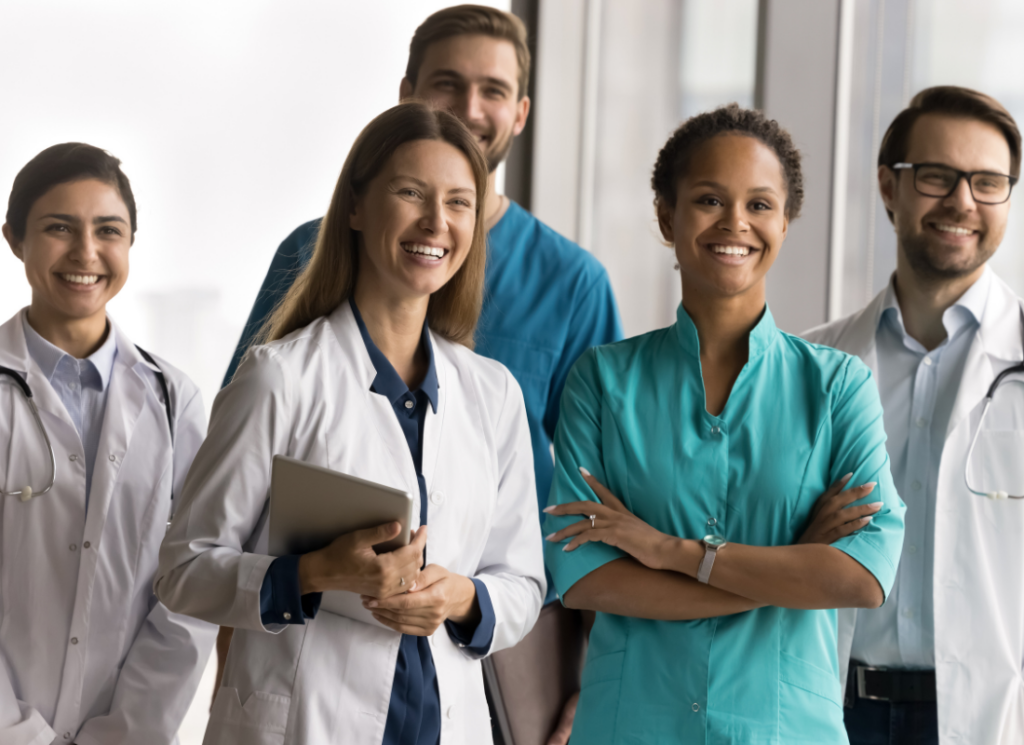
(310, 506)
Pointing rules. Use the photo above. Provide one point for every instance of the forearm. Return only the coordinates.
(625, 587)
(808, 577)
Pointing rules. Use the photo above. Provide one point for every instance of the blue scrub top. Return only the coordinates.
(546, 301)
(799, 417)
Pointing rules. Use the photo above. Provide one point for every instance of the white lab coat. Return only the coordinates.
(978, 580)
(88, 653)
(308, 396)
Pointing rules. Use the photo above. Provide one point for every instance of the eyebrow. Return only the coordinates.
(504, 84)
(95, 221)
(716, 185)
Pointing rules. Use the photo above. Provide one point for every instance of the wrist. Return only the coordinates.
(688, 556)
(464, 608)
(308, 574)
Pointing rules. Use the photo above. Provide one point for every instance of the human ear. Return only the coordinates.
(887, 186)
(15, 245)
(665, 215)
(405, 90)
(356, 217)
(522, 113)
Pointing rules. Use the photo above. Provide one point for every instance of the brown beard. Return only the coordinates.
(930, 262)
(497, 153)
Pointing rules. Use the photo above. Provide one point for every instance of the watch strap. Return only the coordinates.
(704, 570)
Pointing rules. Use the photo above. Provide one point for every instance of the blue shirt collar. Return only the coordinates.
(387, 381)
(968, 310)
(49, 356)
(762, 336)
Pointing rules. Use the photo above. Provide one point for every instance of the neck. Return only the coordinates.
(79, 337)
(396, 327)
(724, 323)
(923, 300)
(496, 204)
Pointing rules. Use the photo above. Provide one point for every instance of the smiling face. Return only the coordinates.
(75, 252)
(729, 219)
(951, 237)
(416, 221)
(476, 78)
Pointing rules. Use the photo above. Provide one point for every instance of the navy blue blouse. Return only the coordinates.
(414, 712)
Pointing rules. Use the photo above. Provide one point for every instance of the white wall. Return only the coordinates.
(232, 120)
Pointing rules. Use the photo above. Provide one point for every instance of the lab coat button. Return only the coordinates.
(695, 707)
(451, 711)
(911, 549)
(113, 458)
(74, 640)
(908, 613)
(67, 735)
(922, 422)
(72, 547)
(287, 616)
(916, 486)
(436, 497)
(72, 457)
(87, 545)
(409, 404)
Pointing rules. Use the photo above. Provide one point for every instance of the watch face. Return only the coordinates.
(714, 540)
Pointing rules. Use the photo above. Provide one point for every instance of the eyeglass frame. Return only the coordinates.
(959, 175)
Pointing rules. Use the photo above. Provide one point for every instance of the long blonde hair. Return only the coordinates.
(330, 277)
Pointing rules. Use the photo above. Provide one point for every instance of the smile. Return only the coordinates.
(432, 252)
(952, 229)
(80, 279)
(730, 250)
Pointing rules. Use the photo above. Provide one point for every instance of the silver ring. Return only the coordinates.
(592, 519)
(401, 581)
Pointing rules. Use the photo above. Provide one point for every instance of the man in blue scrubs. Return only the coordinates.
(546, 300)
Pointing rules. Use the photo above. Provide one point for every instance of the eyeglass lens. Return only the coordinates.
(939, 181)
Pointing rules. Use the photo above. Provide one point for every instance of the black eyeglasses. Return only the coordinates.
(937, 180)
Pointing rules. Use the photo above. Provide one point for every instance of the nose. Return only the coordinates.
(961, 198)
(734, 219)
(470, 105)
(84, 248)
(434, 218)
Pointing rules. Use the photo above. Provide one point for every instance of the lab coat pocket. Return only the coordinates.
(262, 720)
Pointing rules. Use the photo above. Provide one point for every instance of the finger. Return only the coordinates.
(860, 510)
(585, 507)
(569, 532)
(430, 575)
(847, 528)
(400, 626)
(603, 492)
(405, 624)
(854, 493)
(373, 536)
(586, 537)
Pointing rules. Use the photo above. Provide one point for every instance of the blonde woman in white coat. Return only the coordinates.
(87, 653)
(368, 370)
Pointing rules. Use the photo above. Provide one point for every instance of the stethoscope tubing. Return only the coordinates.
(27, 492)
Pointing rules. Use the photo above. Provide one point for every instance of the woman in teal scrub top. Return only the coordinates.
(709, 443)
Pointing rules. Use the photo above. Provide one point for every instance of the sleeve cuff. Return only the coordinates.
(280, 599)
(475, 639)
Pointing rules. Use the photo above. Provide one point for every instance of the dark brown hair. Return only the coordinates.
(62, 164)
(464, 20)
(949, 100)
(674, 157)
(330, 277)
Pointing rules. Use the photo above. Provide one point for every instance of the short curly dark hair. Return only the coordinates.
(674, 157)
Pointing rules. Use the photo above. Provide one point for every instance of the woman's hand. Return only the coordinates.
(615, 525)
(439, 596)
(351, 564)
(832, 518)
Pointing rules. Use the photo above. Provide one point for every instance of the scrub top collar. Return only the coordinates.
(48, 356)
(762, 336)
(387, 381)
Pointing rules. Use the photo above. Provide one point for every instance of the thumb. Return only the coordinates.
(379, 534)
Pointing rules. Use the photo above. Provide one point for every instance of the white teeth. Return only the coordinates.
(431, 251)
(81, 279)
(953, 229)
(731, 250)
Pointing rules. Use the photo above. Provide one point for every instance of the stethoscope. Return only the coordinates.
(27, 492)
(1018, 368)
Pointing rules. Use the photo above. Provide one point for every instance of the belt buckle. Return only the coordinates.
(862, 682)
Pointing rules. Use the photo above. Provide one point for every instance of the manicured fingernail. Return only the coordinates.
(847, 477)
(584, 471)
(549, 537)
(372, 604)
(876, 505)
(549, 509)
(414, 586)
(566, 548)
(872, 484)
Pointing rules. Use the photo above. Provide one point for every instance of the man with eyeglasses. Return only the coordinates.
(941, 660)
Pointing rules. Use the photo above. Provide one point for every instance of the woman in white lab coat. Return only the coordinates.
(369, 371)
(88, 653)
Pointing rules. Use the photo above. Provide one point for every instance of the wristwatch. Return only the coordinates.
(712, 545)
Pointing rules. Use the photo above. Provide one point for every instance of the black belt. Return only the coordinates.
(894, 686)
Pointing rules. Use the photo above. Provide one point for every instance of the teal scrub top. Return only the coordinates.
(799, 417)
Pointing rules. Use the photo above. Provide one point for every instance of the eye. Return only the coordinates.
(407, 192)
(58, 228)
(445, 85)
(460, 202)
(710, 200)
(496, 93)
(760, 206)
(109, 230)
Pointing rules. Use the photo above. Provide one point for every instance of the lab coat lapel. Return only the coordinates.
(434, 422)
(861, 341)
(997, 343)
(354, 354)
